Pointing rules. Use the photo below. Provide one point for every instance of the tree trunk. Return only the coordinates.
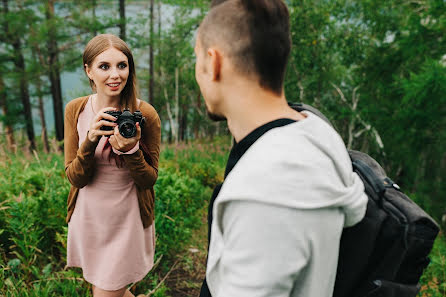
(177, 101)
(54, 74)
(197, 116)
(38, 57)
(9, 132)
(3, 101)
(159, 20)
(95, 32)
(158, 106)
(151, 98)
(46, 146)
(122, 21)
(173, 114)
(183, 122)
(19, 63)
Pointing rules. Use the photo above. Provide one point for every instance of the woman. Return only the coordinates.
(111, 233)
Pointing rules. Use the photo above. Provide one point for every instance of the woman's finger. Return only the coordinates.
(103, 115)
(105, 132)
(107, 116)
(112, 141)
(108, 109)
(105, 123)
(102, 111)
(138, 131)
(119, 139)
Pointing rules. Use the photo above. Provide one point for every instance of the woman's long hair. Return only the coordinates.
(98, 45)
(94, 48)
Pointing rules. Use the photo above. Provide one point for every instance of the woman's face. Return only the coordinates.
(109, 71)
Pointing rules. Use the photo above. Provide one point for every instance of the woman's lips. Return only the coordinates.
(114, 86)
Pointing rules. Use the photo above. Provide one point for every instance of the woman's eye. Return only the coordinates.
(104, 67)
(122, 65)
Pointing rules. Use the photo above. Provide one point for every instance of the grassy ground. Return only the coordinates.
(434, 278)
(33, 190)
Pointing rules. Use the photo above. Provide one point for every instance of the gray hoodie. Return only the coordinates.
(279, 215)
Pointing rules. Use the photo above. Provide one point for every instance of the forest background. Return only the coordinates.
(375, 68)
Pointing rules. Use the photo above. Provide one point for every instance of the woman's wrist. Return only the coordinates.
(128, 152)
(91, 137)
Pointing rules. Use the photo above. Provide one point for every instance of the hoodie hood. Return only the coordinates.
(307, 164)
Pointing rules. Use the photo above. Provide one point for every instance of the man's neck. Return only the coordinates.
(250, 109)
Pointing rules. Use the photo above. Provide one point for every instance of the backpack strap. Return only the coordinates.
(305, 107)
(374, 181)
(359, 166)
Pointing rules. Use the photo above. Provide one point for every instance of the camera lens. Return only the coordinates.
(127, 129)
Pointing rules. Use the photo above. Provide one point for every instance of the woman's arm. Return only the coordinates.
(144, 171)
(79, 162)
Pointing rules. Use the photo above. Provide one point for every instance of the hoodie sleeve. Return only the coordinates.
(264, 253)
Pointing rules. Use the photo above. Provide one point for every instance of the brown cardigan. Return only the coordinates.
(80, 163)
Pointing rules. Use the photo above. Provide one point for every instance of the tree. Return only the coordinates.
(9, 131)
(12, 36)
(378, 50)
(122, 20)
(54, 72)
(151, 46)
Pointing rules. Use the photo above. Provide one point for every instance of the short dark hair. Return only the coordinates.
(255, 34)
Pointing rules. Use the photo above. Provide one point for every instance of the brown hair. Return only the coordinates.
(103, 42)
(94, 48)
(255, 34)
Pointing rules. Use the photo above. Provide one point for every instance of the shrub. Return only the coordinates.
(179, 199)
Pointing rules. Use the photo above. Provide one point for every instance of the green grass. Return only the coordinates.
(33, 191)
(434, 278)
(33, 207)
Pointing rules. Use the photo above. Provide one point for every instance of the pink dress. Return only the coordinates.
(106, 237)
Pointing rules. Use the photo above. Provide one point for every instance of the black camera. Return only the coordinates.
(126, 122)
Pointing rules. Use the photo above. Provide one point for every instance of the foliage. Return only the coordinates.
(33, 231)
(374, 68)
(204, 162)
(180, 199)
(434, 278)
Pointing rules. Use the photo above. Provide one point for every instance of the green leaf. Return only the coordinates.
(47, 269)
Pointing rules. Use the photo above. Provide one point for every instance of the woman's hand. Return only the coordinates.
(99, 120)
(122, 144)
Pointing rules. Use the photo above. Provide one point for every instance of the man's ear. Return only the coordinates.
(215, 61)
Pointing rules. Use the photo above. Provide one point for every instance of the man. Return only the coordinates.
(289, 189)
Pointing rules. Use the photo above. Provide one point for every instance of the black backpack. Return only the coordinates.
(385, 254)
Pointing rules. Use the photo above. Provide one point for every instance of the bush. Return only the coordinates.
(179, 199)
(434, 278)
(33, 231)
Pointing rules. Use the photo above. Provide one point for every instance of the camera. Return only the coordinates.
(126, 122)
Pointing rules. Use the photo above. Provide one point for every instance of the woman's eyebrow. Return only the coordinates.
(105, 62)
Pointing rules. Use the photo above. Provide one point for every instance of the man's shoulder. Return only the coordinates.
(286, 159)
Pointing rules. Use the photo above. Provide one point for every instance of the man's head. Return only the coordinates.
(251, 35)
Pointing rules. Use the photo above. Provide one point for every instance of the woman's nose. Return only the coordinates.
(114, 72)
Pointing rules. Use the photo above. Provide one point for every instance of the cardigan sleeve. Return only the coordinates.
(79, 162)
(143, 166)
